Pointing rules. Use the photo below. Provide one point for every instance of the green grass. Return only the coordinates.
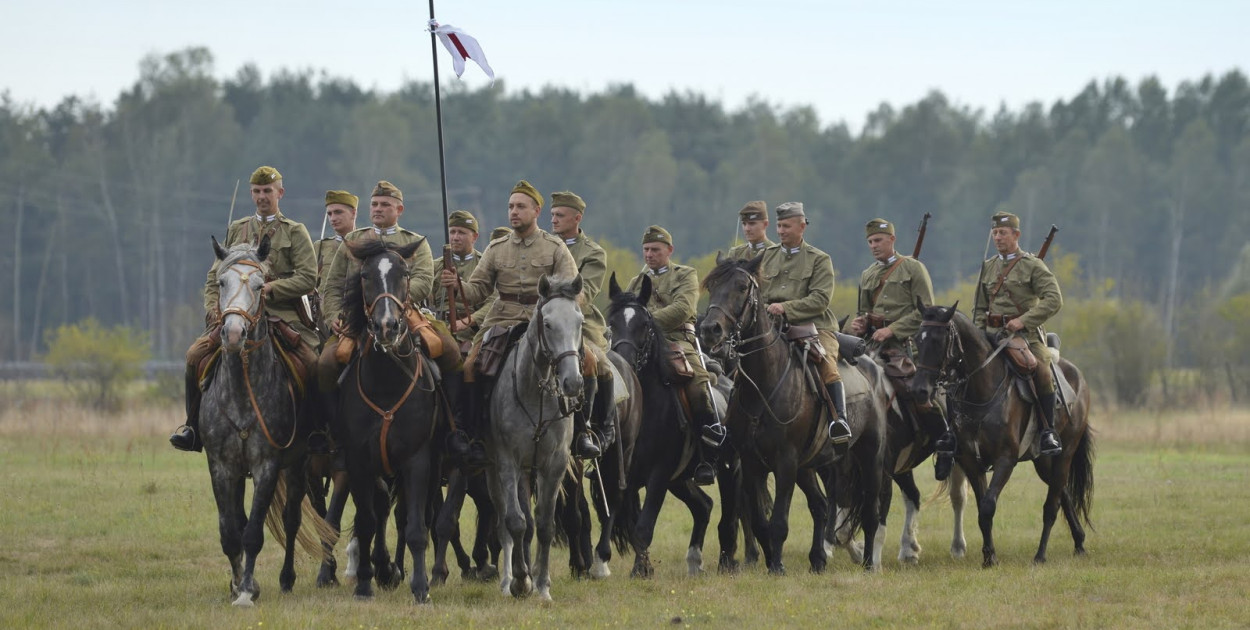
(103, 530)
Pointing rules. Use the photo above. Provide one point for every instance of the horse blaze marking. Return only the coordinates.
(629, 315)
(384, 267)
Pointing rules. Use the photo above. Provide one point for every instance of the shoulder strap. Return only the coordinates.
(881, 285)
(1002, 277)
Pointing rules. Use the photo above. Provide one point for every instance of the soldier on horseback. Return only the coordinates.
(796, 282)
(567, 210)
(889, 293)
(674, 296)
(462, 227)
(511, 267)
(292, 273)
(1016, 294)
(754, 218)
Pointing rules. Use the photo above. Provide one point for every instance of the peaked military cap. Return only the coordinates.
(657, 234)
(879, 226)
(387, 189)
(527, 189)
(791, 209)
(754, 211)
(568, 199)
(499, 232)
(343, 197)
(462, 219)
(265, 175)
(1005, 219)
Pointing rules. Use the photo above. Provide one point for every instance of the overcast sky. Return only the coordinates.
(844, 58)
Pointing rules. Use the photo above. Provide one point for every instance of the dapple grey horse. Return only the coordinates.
(531, 427)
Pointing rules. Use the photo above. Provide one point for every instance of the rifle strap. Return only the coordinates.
(881, 284)
(1002, 277)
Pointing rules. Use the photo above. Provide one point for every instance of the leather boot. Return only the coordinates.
(1050, 440)
(584, 446)
(712, 438)
(603, 412)
(455, 391)
(839, 429)
(187, 436)
(943, 445)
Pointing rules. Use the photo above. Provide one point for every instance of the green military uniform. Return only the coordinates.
(674, 298)
(324, 250)
(801, 279)
(420, 267)
(464, 266)
(513, 266)
(888, 292)
(753, 211)
(592, 264)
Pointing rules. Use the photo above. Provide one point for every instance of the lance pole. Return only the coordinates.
(438, 117)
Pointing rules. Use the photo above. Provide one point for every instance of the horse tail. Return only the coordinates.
(313, 529)
(941, 493)
(627, 516)
(1081, 477)
(848, 481)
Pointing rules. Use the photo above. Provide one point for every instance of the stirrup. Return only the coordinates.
(188, 441)
(714, 434)
(704, 474)
(1050, 446)
(586, 447)
(840, 435)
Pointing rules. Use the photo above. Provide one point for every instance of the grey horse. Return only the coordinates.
(248, 421)
(531, 427)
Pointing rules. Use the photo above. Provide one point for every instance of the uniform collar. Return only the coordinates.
(760, 245)
(657, 272)
(517, 238)
(386, 231)
(269, 219)
(571, 241)
(1010, 256)
(337, 238)
(457, 258)
(890, 261)
(793, 250)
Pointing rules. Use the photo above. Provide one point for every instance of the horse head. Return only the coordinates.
(240, 285)
(557, 323)
(935, 344)
(634, 332)
(734, 297)
(383, 290)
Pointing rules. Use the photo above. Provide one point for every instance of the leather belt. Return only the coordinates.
(525, 300)
(995, 320)
(877, 321)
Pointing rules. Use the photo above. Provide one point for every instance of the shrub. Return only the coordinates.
(97, 361)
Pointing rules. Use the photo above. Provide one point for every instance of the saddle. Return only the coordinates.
(496, 343)
(805, 336)
(298, 360)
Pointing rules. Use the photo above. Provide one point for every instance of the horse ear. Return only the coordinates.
(262, 252)
(920, 305)
(842, 322)
(544, 287)
(576, 287)
(644, 292)
(613, 287)
(720, 258)
(753, 266)
(950, 313)
(218, 249)
(406, 251)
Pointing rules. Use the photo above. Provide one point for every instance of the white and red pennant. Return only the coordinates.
(462, 46)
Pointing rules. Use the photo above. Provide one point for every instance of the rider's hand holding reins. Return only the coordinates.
(882, 334)
(1015, 325)
(776, 308)
(448, 278)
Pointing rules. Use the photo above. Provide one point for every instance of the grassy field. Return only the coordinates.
(103, 525)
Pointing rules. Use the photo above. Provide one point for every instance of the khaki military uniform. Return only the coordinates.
(801, 280)
(464, 266)
(887, 298)
(674, 297)
(592, 264)
(748, 251)
(324, 250)
(292, 268)
(1030, 292)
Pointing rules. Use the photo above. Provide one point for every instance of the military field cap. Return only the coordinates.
(754, 211)
(265, 175)
(879, 226)
(343, 197)
(462, 219)
(790, 209)
(568, 199)
(500, 231)
(527, 189)
(657, 234)
(1005, 219)
(387, 189)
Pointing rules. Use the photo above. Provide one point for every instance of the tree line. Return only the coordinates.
(111, 205)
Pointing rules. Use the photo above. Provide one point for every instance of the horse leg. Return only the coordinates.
(958, 491)
(334, 516)
(548, 484)
(871, 474)
(988, 505)
(525, 495)
(416, 486)
(447, 528)
(229, 497)
(573, 523)
(818, 507)
(609, 491)
(779, 524)
(729, 483)
(909, 544)
(504, 491)
(1055, 475)
(755, 488)
(644, 531)
(264, 482)
(485, 542)
(363, 490)
(586, 551)
(389, 574)
(700, 505)
(292, 514)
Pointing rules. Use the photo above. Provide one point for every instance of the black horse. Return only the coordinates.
(659, 452)
(995, 426)
(388, 409)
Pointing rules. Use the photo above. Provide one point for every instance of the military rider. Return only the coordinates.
(511, 267)
(341, 215)
(754, 218)
(674, 298)
(292, 272)
(567, 210)
(796, 281)
(462, 230)
(889, 290)
(1016, 294)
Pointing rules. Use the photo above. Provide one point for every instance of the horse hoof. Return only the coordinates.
(330, 582)
(244, 601)
(599, 570)
(1080, 551)
(1039, 559)
(544, 596)
(422, 599)
(910, 561)
(486, 573)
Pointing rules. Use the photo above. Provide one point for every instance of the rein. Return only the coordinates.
(388, 415)
(953, 357)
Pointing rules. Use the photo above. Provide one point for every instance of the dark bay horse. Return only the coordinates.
(531, 428)
(776, 421)
(993, 422)
(658, 450)
(387, 411)
(248, 419)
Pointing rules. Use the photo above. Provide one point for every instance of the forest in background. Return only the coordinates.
(110, 205)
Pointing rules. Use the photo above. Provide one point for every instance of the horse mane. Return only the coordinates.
(626, 299)
(727, 266)
(239, 252)
(353, 306)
